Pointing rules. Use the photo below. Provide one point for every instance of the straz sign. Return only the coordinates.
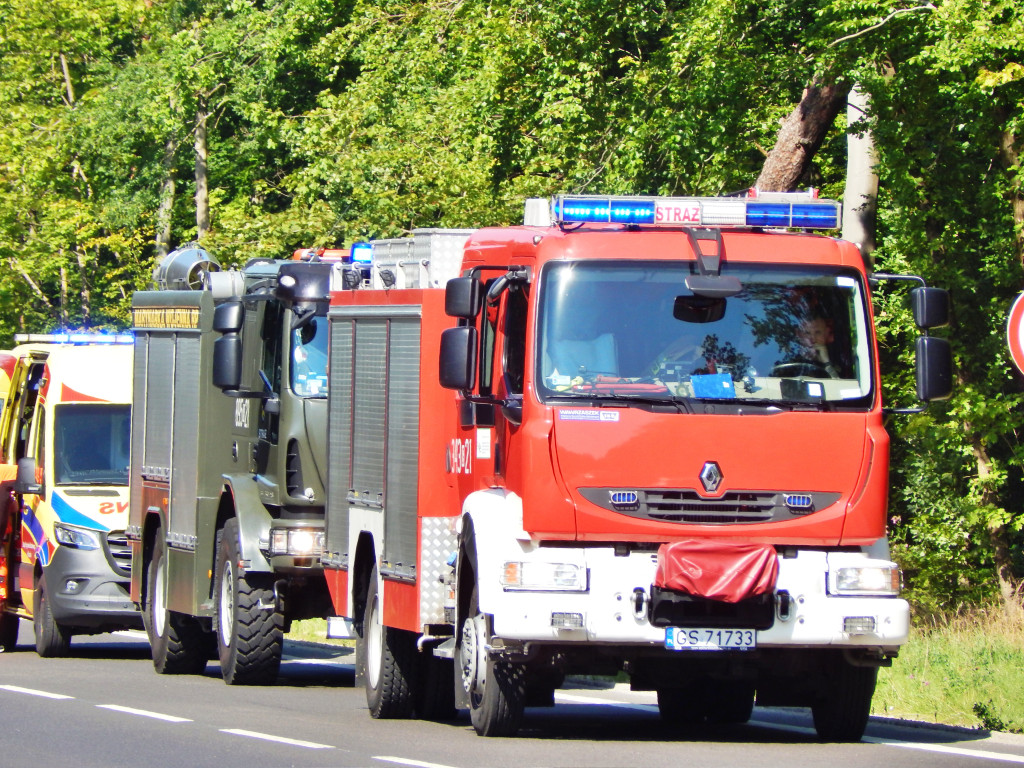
(678, 212)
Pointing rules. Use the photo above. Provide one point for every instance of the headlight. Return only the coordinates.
(300, 542)
(866, 580)
(543, 577)
(76, 538)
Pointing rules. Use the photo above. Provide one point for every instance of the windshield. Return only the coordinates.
(92, 444)
(309, 358)
(634, 330)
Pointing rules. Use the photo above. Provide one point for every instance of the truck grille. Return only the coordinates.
(686, 505)
(119, 552)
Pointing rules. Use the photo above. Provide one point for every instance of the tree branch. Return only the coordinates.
(883, 22)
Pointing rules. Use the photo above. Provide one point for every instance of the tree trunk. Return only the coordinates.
(85, 295)
(166, 206)
(860, 197)
(1011, 157)
(202, 180)
(1009, 587)
(800, 136)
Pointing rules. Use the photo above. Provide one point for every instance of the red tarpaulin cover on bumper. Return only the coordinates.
(717, 570)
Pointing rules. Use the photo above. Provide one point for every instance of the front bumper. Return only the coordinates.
(613, 609)
(86, 593)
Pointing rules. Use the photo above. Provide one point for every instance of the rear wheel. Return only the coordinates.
(390, 661)
(496, 689)
(178, 642)
(435, 690)
(841, 714)
(732, 702)
(52, 640)
(679, 706)
(250, 627)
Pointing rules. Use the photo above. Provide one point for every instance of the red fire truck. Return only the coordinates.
(637, 435)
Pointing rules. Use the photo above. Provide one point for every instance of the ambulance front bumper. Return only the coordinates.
(598, 598)
(85, 592)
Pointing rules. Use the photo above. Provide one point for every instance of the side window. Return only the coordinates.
(271, 336)
(515, 339)
(488, 335)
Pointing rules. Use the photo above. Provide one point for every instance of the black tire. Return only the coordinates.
(497, 689)
(731, 703)
(841, 713)
(679, 706)
(178, 643)
(8, 632)
(250, 626)
(52, 640)
(435, 691)
(390, 659)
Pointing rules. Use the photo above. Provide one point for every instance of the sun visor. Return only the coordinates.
(717, 570)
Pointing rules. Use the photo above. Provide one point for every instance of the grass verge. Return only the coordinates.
(966, 670)
(314, 631)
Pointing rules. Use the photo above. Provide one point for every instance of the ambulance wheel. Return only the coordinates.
(8, 632)
(841, 714)
(250, 625)
(389, 657)
(177, 641)
(52, 640)
(496, 689)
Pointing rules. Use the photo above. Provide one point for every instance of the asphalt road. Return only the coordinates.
(105, 707)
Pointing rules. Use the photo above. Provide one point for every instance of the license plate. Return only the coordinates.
(709, 639)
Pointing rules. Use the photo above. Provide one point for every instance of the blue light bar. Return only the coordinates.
(74, 337)
(797, 210)
(362, 253)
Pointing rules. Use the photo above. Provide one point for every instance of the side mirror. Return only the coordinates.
(458, 357)
(462, 297)
(227, 362)
(934, 369)
(930, 307)
(228, 317)
(25, 481)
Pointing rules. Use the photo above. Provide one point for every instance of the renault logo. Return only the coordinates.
(711, 476)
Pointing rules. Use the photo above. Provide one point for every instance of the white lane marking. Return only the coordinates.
(134, 634)
(407, 761)
(924, 747)
(278, 739)
(958, 751)
(144, 713)
(33, 692)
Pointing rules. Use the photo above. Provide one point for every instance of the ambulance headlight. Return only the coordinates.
(76, 538)
(544, 577)
(875, 579)
(300, 542)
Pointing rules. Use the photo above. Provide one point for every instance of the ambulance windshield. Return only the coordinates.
(309, 358)
(633, 330)
(91, 444)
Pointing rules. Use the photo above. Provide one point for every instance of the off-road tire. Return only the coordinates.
(435, 692)
(497, 693)
(731, 702)
(52, 640)
(841, 713)
(390, 662)
(250, 625)
(179, 645)
(679, 706)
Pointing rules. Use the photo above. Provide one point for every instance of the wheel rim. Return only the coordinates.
(227, 602)
(470, 655)
(160, 601)
(374, 645)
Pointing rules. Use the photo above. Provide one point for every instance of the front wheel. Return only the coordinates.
(250, 626)
(52, 639)
(178, 643)
(841, 714)
(496, 689)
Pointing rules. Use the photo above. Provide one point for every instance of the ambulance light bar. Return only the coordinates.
(799, 210)
(74, 338)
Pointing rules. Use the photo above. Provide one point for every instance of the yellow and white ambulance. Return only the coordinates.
(65, 453)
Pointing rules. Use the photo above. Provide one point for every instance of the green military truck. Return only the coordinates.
(229, 437)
